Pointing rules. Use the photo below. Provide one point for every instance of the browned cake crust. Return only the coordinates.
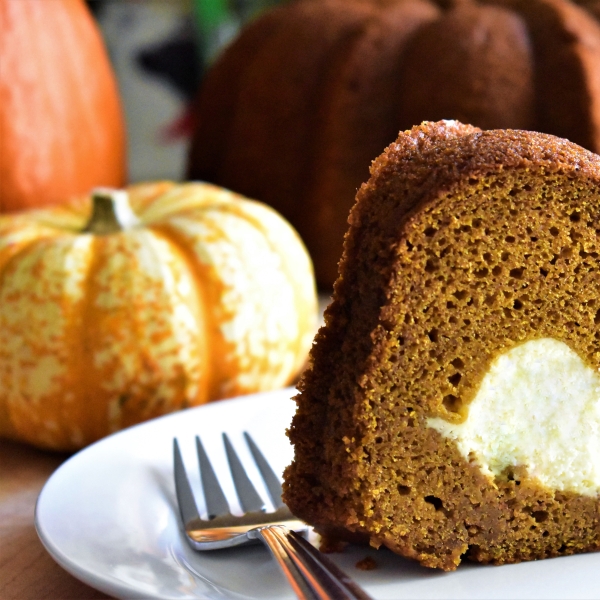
(462, 245)
(486, 79)
(364, 101)
(566, 51)
(219, 98)
(278, 114)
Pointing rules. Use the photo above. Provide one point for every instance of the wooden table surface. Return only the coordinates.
(27, 571)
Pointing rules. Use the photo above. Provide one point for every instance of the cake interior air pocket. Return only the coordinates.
(538, 409)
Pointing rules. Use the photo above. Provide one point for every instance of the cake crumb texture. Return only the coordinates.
(366, 564)
(462, 246)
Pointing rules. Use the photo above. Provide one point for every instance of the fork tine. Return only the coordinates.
(216, 503)
(271, 480)
(249, 498)
(183, 490)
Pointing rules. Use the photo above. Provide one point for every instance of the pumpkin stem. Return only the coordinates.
(111, 212)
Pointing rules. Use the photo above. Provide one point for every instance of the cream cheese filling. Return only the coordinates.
(537, 407)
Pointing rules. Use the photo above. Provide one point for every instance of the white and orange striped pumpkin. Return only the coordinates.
(181, 295)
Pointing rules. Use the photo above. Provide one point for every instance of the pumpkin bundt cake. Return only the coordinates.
(295, 110)
(452, 405)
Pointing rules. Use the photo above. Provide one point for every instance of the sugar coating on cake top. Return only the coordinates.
(538, 406)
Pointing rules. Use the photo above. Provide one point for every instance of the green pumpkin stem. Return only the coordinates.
(111, 212)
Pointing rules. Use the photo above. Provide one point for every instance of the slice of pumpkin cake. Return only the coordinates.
(452, 405)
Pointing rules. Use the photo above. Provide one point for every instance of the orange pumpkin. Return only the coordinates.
(60, 115)
(195, 294)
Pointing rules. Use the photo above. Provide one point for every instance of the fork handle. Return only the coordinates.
(312, 575)
(280, 551)
(329, 571)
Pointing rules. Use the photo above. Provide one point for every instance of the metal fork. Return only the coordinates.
(311, 574)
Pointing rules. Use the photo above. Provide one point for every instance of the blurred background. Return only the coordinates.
(160, 50)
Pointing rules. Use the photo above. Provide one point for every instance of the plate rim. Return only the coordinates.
(88, 576)
(122, 588)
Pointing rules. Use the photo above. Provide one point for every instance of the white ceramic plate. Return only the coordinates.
(108, 516)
